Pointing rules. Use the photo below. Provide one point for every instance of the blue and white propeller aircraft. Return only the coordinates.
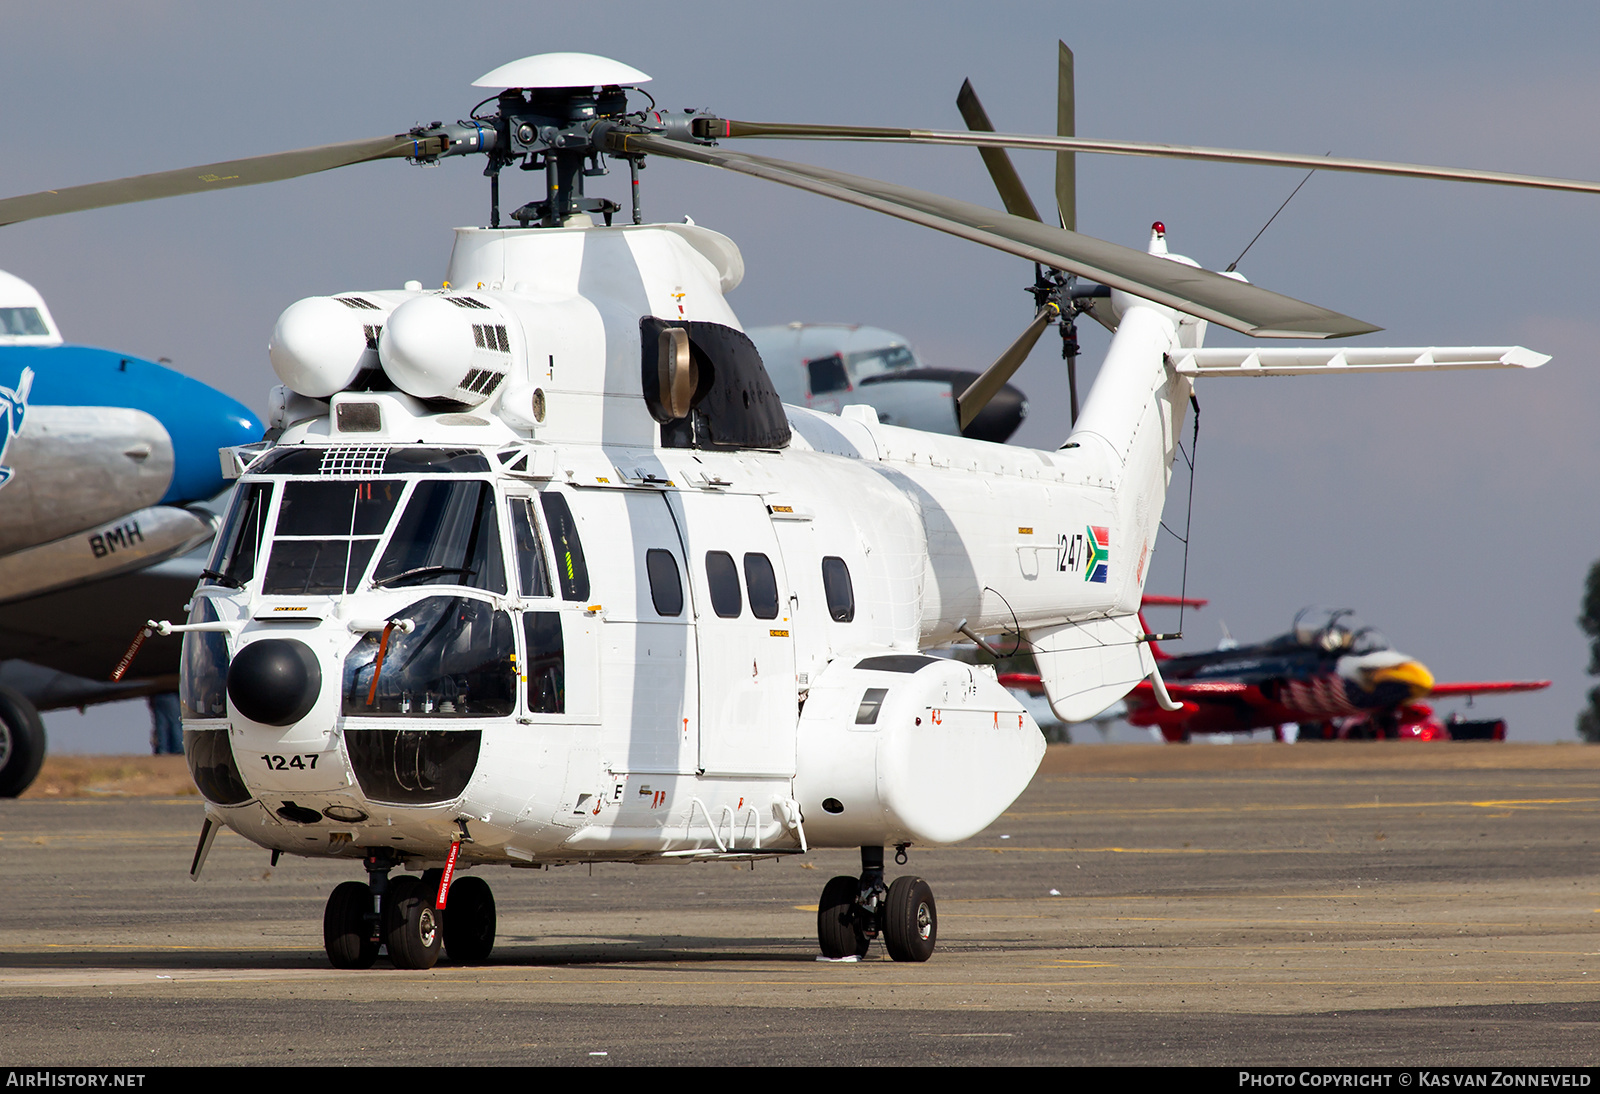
(104, 458)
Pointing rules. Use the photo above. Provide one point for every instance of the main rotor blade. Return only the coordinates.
(723, 128)
(1066, 126)
(1237, 305)
(970, 403)
(213, 176)
(1006, 180)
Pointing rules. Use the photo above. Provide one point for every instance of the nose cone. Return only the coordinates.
(999, 418)
(1413, 675)
(275, 681)
(200, 420)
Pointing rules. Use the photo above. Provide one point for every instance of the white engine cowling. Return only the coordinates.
(320, 345)
(447, 347)
(897, 747)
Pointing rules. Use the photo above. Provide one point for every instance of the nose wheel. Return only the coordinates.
(399, 914)
(854, 911)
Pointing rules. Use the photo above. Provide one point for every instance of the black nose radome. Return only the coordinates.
(275, 681)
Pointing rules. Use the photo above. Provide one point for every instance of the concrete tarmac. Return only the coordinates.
(1315, 905)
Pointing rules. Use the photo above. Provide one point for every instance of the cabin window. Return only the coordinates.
(827, 374)
(666, 587)
(571, 572)
(763, 585)
(546, 670)
(532, 576)
(871, 703)
(459, 661)
(722, 578)
(233, 564)
(836, 587)
(326, 534)
(447, 535)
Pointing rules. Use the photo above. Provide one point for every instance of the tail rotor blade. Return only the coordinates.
(997, 160)
(972, 401)
(1066, 126)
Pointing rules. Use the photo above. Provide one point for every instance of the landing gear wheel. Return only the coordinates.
(910, 920)
(469, 920)
(346, 934)
(410, 924)
(21, 743)
(839, 930)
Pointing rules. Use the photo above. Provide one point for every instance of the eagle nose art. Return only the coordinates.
(275, 681)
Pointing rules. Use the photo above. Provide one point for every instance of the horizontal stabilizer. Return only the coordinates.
(1297, 361)
(1492, 687)
(1085, 667)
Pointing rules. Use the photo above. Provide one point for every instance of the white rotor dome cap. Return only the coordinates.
(562, 70)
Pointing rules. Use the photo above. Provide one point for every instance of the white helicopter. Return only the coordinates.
(535, 569)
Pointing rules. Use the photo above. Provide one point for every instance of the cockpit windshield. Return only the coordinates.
(448, 535)
(326, 533)
(22, 323)
(875, 362)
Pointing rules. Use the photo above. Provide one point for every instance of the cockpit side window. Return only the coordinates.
(233, 563)
(447, 535)
(827, 374)
(571, 572)
(532, 576)
(876, 362)
(546, 667)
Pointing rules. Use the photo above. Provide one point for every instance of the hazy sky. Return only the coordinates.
(1456, 512)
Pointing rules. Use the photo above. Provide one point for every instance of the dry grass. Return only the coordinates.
(112, 776)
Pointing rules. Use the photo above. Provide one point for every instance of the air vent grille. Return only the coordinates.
(467, 302)
(491, 337)
(353, 460)
(372, 332)
(357, 303)
(481, 381)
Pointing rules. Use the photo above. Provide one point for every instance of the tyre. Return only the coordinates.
(410, 924)
(346, 934)
(839, 931)
(469, 920)
(910, 920)
(21, 743)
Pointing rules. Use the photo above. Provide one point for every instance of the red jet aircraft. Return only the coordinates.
(1329, 678)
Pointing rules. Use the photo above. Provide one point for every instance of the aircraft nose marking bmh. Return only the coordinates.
(537, 569)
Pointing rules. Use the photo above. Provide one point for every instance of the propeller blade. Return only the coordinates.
(972, 401)
(212, 176)
(1066, 126)
(719, 127)
(1006, 180)
(1234, 304)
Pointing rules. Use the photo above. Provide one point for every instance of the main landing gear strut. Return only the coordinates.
(854, 911)
(401, 913)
